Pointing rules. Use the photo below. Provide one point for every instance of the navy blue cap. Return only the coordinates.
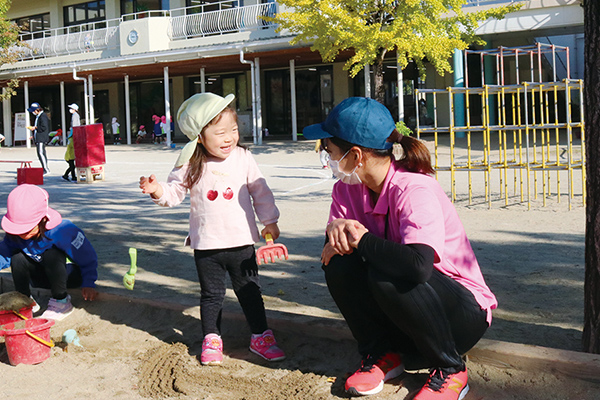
(34, 106)
(357, 120)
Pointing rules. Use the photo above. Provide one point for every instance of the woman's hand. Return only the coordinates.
(151, 186)
(89, 293)
(273, 229)
(345, 234)
(328, 253)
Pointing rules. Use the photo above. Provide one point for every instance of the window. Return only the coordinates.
(135, 6)
(200, 6)
(33, 23)
(81, 13)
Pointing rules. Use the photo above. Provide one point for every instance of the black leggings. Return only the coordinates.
(240, 263)
(48, 272)
(70, 170)
(430, 324)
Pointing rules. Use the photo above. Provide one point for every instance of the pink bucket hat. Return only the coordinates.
(25, 208)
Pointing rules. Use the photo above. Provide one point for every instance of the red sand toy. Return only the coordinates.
(270, 250)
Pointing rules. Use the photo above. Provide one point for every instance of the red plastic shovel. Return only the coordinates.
(270, 250)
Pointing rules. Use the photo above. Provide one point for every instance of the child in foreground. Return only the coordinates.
(36, 246)
(226, 189)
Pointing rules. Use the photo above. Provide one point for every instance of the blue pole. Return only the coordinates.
(459, 99)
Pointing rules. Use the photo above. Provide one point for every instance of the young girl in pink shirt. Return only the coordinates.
(398, 262)
(226, 189)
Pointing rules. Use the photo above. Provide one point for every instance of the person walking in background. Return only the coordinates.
(116, 132)
(75, 118)
(397, 259)
(36, 246)
(41, 131)
(70, 159)
(226, 189)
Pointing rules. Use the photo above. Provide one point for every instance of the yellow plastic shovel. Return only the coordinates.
(129, 277)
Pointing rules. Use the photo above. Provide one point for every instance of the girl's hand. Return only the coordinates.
(89, 293)
(151, 186)
(344, 235)
(273, 229)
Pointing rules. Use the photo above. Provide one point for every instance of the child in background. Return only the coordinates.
(115, 131)
(36, 246)
(323, 155)
(70, 159)
(226, 189)
(164, 126)
(55, 137)
(141, 134)
(157, 132)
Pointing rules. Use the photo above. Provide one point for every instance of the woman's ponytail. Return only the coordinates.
(416, 156)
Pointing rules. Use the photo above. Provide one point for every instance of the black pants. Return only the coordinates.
(48, 272)
(41, 152)
(430, 324)
(240, 263)
(70, 170)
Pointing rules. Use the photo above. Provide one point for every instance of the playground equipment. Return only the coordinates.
(533, 129)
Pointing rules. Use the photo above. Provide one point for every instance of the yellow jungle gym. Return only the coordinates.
(533, 129)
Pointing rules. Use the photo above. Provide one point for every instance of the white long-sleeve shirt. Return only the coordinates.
(223, 202)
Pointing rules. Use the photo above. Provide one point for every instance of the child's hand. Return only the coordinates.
(151, 186)
(273, 229)
(89, 293)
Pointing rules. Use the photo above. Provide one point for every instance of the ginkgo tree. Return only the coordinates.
(9, 46)
(418, 30)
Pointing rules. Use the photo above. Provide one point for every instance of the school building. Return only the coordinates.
(132, 59)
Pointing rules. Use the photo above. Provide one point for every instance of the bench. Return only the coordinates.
(24, 164)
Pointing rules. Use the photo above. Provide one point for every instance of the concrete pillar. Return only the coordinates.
(400, 80)
(293, 103)
(27, 118)
(167, 105)
(7, 120)
(91, 99)
(63, 116)
(127, 109)
(259, 126)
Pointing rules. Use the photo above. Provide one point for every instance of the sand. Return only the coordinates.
(145, 343)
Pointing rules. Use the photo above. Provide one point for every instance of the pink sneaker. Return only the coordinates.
(265, 346)
(212, 350)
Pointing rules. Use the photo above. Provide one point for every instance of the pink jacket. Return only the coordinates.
(223, 202)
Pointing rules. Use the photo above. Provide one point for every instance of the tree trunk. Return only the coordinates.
(591, 324)
(379, 86)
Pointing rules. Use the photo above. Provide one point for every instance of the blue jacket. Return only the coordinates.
(66, 237)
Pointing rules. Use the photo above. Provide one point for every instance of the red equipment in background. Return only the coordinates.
(88, 142)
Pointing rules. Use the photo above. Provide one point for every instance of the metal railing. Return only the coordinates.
(197, 21)
(219, 18)
(475, 3)
(76, 39)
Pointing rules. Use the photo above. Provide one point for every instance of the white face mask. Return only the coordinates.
(349, 179)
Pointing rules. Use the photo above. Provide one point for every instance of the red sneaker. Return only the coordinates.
(444, 385)
(373, 373)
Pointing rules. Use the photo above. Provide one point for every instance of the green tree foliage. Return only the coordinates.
(415, 29)
(9, 46)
